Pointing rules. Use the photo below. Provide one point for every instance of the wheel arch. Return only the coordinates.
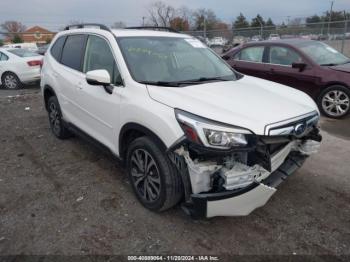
(47, 93)
(8, 71)
(130, 132)
(334, 83)
(327, 85)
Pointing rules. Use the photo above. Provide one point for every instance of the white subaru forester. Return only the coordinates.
(186, 125)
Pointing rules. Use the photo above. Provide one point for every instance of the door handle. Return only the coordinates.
(271, 71)
(79, 86)
(55, 74)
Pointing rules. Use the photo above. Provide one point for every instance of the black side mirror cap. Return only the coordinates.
(300, 66)
(226, 57)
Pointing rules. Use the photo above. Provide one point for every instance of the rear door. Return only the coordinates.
(70, 77)
(280, 60)
(250, 61)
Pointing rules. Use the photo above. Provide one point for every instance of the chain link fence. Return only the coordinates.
(335, 34)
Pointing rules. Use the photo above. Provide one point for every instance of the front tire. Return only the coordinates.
(55, 117)
(334, 101)
(11, 81)
(154, 179)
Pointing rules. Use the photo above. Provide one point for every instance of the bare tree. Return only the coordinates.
(296, 22)
(119, 24)
(160, 14)
(205, 18)
(13, 27)
(186, 14)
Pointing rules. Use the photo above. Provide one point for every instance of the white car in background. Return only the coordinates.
(19, 66)
(274, 37)
(218, 41)
(30, 46)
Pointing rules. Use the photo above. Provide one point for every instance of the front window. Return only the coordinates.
(172, 61)
(283, 56)
(322, 54)
(98, 55)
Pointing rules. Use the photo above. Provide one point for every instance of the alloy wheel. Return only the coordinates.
(336, 103)
(145, 175)
(55, 118)
(10, 81)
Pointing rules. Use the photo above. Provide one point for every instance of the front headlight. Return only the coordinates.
(211, 133)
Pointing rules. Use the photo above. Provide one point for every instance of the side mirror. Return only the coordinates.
(226, 57)
(100, 77)
(300, 66)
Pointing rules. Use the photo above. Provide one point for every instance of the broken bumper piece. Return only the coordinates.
(231, 203)
(242, 202)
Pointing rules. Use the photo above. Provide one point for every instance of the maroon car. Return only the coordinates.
(310, 66)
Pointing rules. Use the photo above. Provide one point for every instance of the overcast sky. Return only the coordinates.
(53, 14)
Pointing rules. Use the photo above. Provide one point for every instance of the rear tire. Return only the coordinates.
(154, 179)
(334, 101)
(55, 117)
(11, 81)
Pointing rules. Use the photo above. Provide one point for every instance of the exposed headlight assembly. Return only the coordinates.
(210, 133)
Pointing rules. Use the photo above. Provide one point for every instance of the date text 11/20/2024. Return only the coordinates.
(173, 258)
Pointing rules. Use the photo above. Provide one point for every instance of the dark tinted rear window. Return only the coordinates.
(73, 51)
(57, 48)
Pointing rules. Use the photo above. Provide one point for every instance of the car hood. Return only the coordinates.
(249, 102)
(342, 68)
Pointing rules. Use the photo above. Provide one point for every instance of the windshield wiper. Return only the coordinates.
(336, 64)
(330, 64)
(205, 79)
(184, 82)
(161, 83)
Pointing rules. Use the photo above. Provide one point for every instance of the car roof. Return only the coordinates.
(289, 41)
(5, 48)
(127, 32)
(142, 32)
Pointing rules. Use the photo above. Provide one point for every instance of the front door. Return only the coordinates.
(99, 110)
(280, 70)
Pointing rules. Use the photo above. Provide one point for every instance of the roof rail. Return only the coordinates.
(84, 25)
(156, 28)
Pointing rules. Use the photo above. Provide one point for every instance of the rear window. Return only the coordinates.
(22, 52)
(73, 51)
(57, 48)
(3, 57)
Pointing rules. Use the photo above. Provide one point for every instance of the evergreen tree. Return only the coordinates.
(240, 22)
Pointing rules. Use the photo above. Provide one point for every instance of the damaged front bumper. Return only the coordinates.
(243, 201)
(234, 188)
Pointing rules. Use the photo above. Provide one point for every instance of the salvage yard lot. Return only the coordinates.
(68, 197)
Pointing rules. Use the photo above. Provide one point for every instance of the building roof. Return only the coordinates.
(35, 29)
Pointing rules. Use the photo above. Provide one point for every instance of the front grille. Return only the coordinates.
(299, 126)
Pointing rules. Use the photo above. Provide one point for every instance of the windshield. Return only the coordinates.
(322, 54)
(172, 61)
(22, 52)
